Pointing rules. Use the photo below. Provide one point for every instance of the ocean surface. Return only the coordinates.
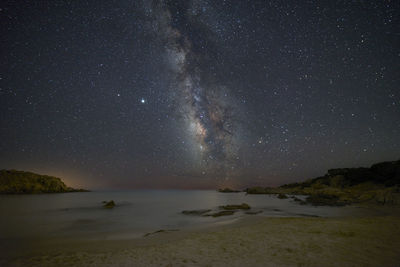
(81, 215)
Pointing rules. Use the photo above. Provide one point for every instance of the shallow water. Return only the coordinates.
(81, 215)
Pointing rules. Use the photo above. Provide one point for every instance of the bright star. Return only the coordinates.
(142, 101)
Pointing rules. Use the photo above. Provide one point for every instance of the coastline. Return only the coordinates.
(370, 240)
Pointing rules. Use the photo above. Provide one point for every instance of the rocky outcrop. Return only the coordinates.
(228, 190)
(378, 184)
(242, 206)
(160, 231)
(282, 196)
(195, 212)
(222, 213)
(253, 212)
(324, 200)
(109, 204)
(261, 190)
(20, 182)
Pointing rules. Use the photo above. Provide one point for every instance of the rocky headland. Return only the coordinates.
(21, 182)
(379, 184)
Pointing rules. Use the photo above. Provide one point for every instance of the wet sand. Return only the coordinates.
(250, 241)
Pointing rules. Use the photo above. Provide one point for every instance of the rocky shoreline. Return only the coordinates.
(379, 184)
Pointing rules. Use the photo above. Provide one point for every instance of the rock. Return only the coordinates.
(242, 206)
(195, 212)
(221, 213)
(307, 215)
(338, 181)
(387, 172)
(324, 200)
(160, 231)
(282, 196)
(228, 190)
(253, 212)
(261, 190)
(255, 190)
(109, 204)
(20, 182)
(381, 173)
(378, 184)
(299, 200)
(387, 196)
(77, 190)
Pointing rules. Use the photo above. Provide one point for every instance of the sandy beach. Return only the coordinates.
(249, 241)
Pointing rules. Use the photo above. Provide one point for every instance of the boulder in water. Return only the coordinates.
(282, 196)
(109, 204)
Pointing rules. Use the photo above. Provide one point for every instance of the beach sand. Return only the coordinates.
(251, 241)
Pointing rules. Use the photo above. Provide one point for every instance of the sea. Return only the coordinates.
(81, 215)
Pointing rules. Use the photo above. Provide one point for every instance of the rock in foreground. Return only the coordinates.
(109, 204)
(20, 182)
(222, 213)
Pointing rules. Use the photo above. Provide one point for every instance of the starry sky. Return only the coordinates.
(197, 93)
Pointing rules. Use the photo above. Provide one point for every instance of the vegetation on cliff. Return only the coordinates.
(20, 182)
(379, 184)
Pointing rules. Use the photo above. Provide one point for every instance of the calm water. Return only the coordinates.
(81, 215)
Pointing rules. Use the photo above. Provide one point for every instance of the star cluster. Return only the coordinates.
(197, 94)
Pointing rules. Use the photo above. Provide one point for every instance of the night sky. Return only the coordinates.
(197, 94)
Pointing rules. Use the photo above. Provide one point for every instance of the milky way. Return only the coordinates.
(208, 113)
